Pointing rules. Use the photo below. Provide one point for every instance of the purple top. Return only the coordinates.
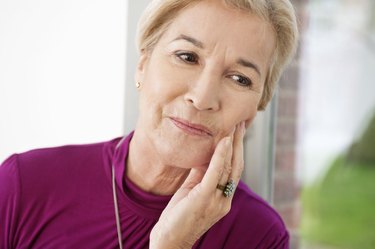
(62, 198)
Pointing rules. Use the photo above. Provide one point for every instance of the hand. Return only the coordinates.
(198, 204)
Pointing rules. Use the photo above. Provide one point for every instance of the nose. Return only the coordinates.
(203, 94)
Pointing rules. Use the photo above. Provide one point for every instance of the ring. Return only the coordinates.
(228, 189)
(221, 187)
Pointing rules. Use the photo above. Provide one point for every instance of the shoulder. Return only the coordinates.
(47, 158)
(39, 168)
(9, 200)
(9, 177)
(54, 155)
(52, 179)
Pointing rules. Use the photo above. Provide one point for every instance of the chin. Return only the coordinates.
(182, 153)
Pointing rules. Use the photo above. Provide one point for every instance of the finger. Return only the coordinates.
(195, 177)
(216, 166)
(237, 158)
(228, 161)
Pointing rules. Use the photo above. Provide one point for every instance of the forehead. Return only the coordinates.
(216, 24)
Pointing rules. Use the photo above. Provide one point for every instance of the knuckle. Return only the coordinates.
(228, 169)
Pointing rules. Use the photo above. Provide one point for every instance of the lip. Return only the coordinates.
(191, 128)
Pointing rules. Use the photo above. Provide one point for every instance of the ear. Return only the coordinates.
(141, 67)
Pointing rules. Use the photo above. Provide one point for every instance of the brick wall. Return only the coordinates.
(286, 197)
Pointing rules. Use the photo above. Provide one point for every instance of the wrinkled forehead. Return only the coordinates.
(216, 24)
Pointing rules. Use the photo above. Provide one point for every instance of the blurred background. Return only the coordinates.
(66, 76)
(336, 134)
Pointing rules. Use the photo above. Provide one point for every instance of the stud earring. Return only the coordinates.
(138, 85)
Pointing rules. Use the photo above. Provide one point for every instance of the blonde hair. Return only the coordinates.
(279, 13)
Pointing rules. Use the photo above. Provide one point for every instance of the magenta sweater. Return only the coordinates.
(62, 198)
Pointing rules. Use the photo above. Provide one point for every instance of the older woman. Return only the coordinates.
(205, 69)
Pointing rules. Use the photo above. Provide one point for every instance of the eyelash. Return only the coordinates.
(181, 54)
(241, 80)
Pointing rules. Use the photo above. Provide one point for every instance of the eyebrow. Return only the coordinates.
(199, 44)
(249, 64)
(190, 39)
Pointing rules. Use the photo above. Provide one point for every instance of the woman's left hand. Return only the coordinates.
(199, 204)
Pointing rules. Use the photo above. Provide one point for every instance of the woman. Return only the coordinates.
(171, 182)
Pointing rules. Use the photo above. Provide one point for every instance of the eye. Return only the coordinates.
(190, 58)
(241, 80)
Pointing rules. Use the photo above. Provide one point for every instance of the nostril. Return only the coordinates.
(201, 104)
(203, 97)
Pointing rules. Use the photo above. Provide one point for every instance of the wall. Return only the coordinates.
(286, 190)
(62, 72)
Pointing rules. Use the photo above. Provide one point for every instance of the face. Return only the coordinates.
(205, 75)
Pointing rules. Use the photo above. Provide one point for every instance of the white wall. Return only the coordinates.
(62, 72)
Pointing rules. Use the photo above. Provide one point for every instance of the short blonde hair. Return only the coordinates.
(279, 13)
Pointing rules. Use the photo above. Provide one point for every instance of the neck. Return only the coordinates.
(146, 169)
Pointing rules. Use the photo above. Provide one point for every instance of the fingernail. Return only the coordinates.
(243, 128)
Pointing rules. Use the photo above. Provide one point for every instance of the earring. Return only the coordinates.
(138, 85)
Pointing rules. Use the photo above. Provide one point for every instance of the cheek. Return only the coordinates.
(245, 110)
(251, 112)
(249, 120)
(252, 107)
(160, 89)
(162, 81)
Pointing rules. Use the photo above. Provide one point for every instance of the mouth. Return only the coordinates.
(191, 128)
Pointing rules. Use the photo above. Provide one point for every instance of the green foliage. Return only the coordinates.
(339, 211)
(363, 151)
